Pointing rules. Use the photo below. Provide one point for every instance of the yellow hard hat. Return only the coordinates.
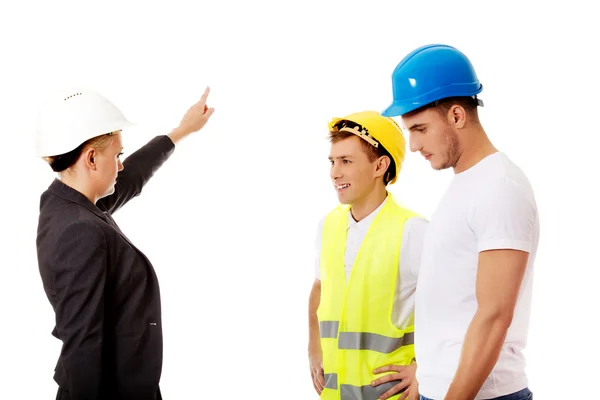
(376, 130)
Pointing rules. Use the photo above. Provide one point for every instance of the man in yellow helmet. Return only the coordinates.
(361, 307)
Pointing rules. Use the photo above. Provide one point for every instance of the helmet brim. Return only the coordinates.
(394, 110)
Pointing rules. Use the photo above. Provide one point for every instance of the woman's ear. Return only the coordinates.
(89, 158)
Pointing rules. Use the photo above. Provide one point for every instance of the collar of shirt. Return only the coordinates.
(352, 223)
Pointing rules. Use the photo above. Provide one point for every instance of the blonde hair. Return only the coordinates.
(65, 161)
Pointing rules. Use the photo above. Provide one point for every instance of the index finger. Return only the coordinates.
(321, 377)
(205, 94)
(202, 102)
(396, 389)
(388, 368)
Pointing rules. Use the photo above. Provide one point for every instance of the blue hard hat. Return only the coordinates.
(430, 73)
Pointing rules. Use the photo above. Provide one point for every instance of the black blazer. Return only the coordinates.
(104, 291)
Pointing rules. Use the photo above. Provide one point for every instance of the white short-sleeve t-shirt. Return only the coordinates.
(489, 206)
(410, 259)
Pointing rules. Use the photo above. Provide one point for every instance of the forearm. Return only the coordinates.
(480, 352)
(314, 340)
(177, 134)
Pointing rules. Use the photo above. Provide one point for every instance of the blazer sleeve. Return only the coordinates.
(79, 265)
(138, 168)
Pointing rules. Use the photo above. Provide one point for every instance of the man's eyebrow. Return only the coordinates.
(415, 126)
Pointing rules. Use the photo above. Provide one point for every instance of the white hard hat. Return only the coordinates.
(73, 116)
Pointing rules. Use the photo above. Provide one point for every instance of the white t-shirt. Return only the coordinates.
(410, 259)
(489, 206)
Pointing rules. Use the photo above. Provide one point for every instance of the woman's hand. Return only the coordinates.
(194, 119)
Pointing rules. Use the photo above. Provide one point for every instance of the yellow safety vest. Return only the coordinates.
(355, 320)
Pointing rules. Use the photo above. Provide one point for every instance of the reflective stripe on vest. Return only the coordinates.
(329, 329)
(331, 381)
(362, 340)
(373, 341)
(349, 392)
(367, 392)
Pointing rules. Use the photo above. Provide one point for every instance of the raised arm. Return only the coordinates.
(140, 166)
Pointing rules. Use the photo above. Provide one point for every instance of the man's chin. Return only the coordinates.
(440, 166)
(344, 200)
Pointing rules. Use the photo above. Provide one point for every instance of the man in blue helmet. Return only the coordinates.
(474, 291)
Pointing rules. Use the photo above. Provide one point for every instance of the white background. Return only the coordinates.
(229, 222)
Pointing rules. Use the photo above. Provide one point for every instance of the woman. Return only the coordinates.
(103, 290)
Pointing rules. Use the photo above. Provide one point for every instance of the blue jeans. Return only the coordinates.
(524, 394)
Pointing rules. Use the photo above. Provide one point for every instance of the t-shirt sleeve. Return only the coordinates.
(318, 244)
(503, 216)
(412, 245)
